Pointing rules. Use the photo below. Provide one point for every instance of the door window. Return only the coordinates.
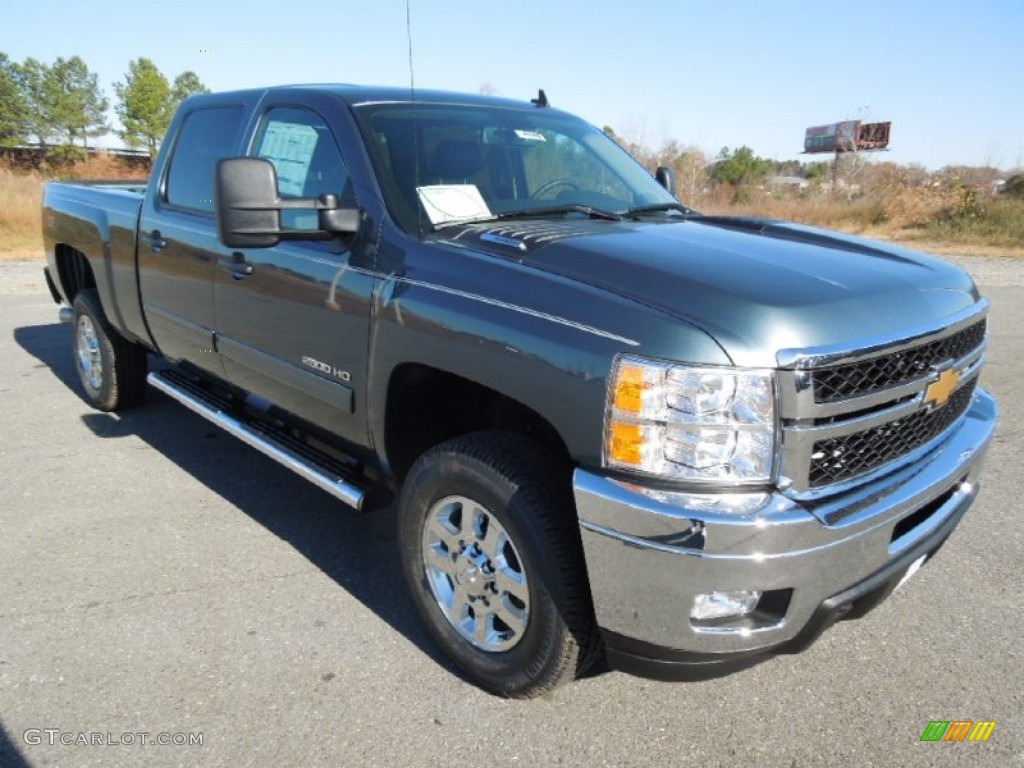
(307, 160)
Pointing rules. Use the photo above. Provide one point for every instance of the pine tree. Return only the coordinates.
(30, 78)
(145, 105)
(13, 109)
(186, 84)
(77, 106)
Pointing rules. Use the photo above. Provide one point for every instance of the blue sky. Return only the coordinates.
(947, 73)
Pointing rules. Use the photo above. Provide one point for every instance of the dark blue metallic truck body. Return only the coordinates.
(378, 346)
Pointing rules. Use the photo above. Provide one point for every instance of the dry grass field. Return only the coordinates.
(905, 216)
(21, 196)
(21, 199)
(934, 221)
(937, 219)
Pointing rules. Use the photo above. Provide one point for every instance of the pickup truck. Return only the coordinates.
(610, 426)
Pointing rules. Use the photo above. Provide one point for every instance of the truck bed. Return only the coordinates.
(134, 186)
(100, 218)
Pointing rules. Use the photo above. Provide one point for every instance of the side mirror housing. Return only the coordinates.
(666, 178)
(248, 208)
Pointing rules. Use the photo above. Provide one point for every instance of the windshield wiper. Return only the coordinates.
(556, 210)
(463, 222)
(659, 207)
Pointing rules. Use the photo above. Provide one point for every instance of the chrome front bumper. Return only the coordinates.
(650, 553)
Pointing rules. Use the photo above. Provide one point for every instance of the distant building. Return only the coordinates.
(787, 182)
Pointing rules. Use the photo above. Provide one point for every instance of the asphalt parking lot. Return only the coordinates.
(159, 577)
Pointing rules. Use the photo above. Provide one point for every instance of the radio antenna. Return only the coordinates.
(415, 124)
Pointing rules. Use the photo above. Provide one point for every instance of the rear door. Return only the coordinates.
(293, 325)
(178, 250)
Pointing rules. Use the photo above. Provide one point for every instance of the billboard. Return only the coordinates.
(835, 137)
(848, 136)
(873, 136)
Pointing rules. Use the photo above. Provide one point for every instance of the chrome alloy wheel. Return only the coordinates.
(475, 574)
(88, 347)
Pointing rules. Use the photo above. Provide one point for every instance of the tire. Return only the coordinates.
(491, 551)
(112, 369)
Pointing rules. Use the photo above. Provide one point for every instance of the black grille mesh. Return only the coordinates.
(841, 458)
(842, 381)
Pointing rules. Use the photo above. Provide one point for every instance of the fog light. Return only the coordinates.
(720, 605)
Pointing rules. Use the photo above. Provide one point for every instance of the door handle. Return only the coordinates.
(237, 266)
(155, 241)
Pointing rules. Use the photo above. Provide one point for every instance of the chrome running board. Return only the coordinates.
(303, 462)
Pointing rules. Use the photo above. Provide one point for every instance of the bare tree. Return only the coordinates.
(851, 169)
(692, 173)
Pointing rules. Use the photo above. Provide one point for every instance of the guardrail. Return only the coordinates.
(28, 158)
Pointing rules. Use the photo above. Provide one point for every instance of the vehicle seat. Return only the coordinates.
(327, 173)
(456, 161)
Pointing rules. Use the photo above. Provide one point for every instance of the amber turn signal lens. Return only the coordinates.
(629, 388)
(625, 442)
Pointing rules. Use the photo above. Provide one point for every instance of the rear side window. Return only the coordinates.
(207, 135)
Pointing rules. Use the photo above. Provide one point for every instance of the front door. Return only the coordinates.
(293, 321)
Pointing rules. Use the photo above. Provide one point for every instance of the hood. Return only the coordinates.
(756, 286)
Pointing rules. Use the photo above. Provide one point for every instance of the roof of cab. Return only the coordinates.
(366, 94)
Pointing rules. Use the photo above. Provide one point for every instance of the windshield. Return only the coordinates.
(442, 164)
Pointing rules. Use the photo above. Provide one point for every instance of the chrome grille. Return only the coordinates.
(850, 413)
(842, 381)
(841, 458)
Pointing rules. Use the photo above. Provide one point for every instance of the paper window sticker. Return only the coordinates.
(446, 203)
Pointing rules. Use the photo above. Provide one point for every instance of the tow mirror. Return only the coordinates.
(248, 208)
(666, 178)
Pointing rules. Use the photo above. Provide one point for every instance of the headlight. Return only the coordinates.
(688, 423)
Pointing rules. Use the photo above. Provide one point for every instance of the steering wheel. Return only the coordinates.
(554, 184)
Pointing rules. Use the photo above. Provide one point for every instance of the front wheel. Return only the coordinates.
(491, 551)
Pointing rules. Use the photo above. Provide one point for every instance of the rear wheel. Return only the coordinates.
(491, 551)
(112, 370)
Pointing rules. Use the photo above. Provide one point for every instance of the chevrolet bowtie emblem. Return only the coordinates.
(938, 391)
